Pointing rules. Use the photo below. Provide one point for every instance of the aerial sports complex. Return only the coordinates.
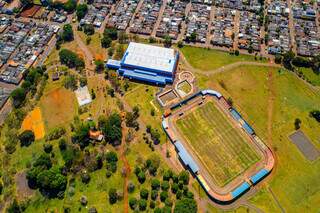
(147, 63)
(217, 145)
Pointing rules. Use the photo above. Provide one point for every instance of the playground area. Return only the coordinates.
(220, 146)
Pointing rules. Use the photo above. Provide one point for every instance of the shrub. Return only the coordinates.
(144, 193)
(155, 184)
(163, 196)
(141, 177)
(131, 187)
(133, 203)
(26, 138)
(47, 147)
(154, 194)
(85, 177)
(112, 196)
(184, 177)
(55, 133)
(165, 185)
(152, 204)
(142, 205)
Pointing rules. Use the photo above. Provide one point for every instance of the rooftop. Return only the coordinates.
(150, 57)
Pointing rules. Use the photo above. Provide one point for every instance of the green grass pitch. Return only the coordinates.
(220, 146)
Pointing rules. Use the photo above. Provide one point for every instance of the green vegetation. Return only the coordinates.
(82, 10)
(205, 59)
(294, 181)
(71, 59)
(209, 125)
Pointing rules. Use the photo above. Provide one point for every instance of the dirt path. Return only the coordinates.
(126, 168)
(270, 106)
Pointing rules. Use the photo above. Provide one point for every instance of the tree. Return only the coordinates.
(163, 196)
(67, 33)
(193, 37)
(315, 114)
(154, 194)
(131, 187)
(142, 205)
(123, 37)
(52, 181)
(180, 44)
(26, 138)
(112, 196)
(82, 10)
(144, 193)
(62, 144)
(165, 185)
(185, 205)
(133, 203)
(141, 177)
(88, 29)
(111, 157)
(297, 123)
(70, 59)
(236, 52)
(106, 42)
(112, 129)
(184, 177)
(99, 65)
(111, 33)
(47, 147)
(167, 41)
(287, 59)
(155, 184)
(278, 59)
(18, 96)
(152, 40)
(43, 161)
(174, 188)
(70, 6)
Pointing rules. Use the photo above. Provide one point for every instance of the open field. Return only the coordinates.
(33, 121)
(220, 146)
(205, 59)
(294, 180)
(58, 106)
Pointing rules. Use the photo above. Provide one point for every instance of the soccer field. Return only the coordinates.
(220, 146)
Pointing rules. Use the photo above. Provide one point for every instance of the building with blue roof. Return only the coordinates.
(186, 157)
(151, 64)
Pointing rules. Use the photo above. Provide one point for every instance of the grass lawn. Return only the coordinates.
(220, 146)
(143, 96)
(184, 87)
(205, 59)
(294, 180)
(310, 76)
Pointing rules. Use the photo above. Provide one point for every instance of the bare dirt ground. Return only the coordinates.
(23, 190)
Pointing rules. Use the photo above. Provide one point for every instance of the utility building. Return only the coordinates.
(152, 64)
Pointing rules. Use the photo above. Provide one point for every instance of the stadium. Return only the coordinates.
(217, 145)
(147, 63)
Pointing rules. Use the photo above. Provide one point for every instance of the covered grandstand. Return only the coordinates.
(151, 64)
(232, 192)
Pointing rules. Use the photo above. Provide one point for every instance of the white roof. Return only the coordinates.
(148, 56)
(83, 95)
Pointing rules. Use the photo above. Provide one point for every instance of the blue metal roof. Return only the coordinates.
(145, 76)
(113, 64)
(240, 190)
(248, 128)
(186, 157)
(236, 115)
(259, 176)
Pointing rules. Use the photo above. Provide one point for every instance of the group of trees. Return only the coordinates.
(111, 128)
(65, 35)
(163, 190)
(289, 60)
(46, 177)
(71, 59)
(29, 85)
(109, 34)
(154, 134)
